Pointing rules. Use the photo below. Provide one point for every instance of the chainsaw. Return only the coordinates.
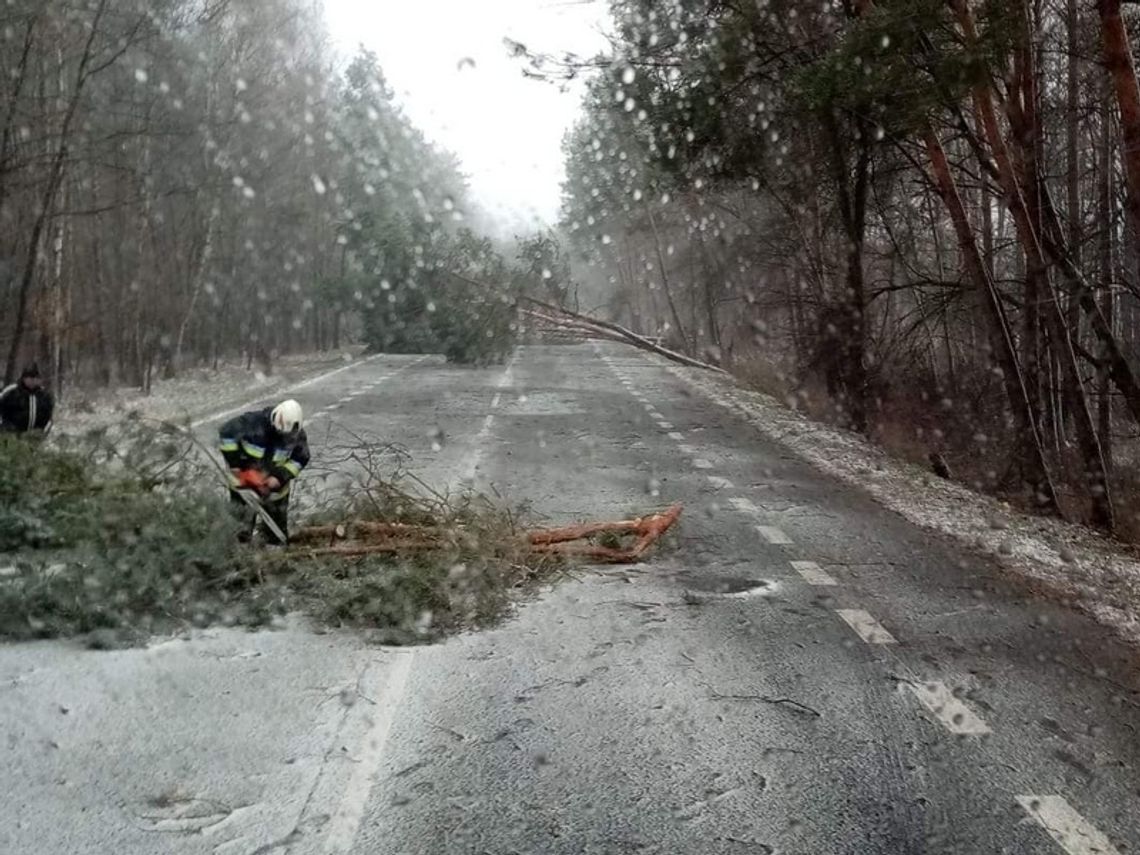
(251, 487)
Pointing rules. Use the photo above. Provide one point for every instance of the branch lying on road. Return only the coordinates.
(355, 538)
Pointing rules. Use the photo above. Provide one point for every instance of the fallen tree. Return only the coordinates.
(588, 323)
(126, 532)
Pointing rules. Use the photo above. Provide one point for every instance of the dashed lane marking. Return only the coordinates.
(745, 506)
(720, 483)
(958, 718)
(665, 425)
(773, 535)
(304, 385)
(812, 574)
(686, 449)
(676, 435)
(478, 447)
(498, 397)
(701, 463)
(1072, 831)
(865, 626)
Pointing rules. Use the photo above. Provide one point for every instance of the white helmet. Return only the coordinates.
(287, 417)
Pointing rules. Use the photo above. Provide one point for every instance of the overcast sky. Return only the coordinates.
(507, 130)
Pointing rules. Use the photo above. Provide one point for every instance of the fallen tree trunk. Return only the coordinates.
(552, 324)
(360, 538)
(626, 335)
(571, 325)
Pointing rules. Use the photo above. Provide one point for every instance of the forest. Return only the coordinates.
(917, 218)
(187, 180)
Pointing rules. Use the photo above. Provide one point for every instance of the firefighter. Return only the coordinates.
(264, 450)
(26, 406)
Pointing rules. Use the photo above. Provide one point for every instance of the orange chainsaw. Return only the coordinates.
(252, 486)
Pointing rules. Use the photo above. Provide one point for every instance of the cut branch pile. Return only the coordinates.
(601, 541)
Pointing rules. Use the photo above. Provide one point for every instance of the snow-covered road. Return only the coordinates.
(805, 669)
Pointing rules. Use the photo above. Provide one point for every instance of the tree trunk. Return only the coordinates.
(59, 319)
(19, 76)
(685, 342)
(197, 281)
(1122, 71)
(853, 212)
(58, 313)
(1072, 155)
(1032, 453)
(1021, 210)
(1106, 216)
(47, 200)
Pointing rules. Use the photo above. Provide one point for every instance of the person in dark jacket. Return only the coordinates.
(264, 450)
(26, 407)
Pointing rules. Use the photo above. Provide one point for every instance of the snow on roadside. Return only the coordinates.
(1070, 561)
(192, 394)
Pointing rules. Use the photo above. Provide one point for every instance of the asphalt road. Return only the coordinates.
(797, 670)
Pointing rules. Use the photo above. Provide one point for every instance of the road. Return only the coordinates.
(798, 671)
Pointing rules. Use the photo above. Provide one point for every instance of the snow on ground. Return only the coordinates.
(1068, 561)
(192, 394)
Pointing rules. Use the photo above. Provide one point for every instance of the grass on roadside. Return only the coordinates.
(125, 533)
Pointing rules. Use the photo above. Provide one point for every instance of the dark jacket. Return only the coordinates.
(250, 441)
(22, 409)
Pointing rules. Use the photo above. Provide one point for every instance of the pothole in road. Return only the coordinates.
(725, 586)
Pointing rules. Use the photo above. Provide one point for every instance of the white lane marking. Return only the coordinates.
(812, 574)
(331, 407)
(477, 447)
(745, 506)
(773, 535)
(686, 449)
(346, 821)
(665, 425)
(248, 404)
(498, 397)
(955, 715)
(720, 483)
(865, 626)
(1071, 830)
(676, 435)
(701, 463)
(312, 380)
(213, 417)
(480, 438)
